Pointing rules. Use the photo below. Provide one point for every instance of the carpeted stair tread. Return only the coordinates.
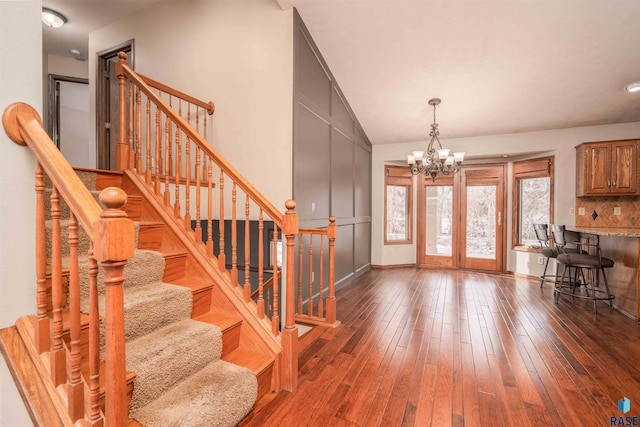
(83, 238)
(147, 308)
(165, 357)
(88, 178)
(145, 267)
(64, 207)
(220, 395)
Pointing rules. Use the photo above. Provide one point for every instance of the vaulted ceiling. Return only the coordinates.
(499, 66)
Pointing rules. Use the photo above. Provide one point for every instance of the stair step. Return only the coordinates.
(259, 364)
(230, 326)
(158, 358)
(175, 265)
(201, 289)
(106, 179)
(221, 394)
(133, 207)
(150, 235)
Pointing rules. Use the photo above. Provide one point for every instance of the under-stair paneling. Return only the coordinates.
(331, 158)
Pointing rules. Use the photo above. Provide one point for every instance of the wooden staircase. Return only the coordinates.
(55, 355)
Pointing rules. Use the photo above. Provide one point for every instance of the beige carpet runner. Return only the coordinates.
(180, 379)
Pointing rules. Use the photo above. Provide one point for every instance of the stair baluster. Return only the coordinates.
(198, 229)
(159, 163)
(310, 296)
(222, 265)
(42, 319)
(234, 238)
(138, 136)
(261, 265)
(178, 169)
(209, 208)
(94, 418)
(148, 168)
(75, 387)
(57, 356)
(300, 273)
(247, 253)
(275, 316)
(187, 187)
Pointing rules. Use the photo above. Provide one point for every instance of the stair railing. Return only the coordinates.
(112, 242)
(238, 229)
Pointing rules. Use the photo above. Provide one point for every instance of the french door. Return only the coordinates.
(461, 219)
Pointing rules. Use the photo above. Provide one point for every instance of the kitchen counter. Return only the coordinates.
(622, 245)
(609, 231)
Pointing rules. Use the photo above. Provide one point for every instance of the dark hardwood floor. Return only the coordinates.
(420, 347)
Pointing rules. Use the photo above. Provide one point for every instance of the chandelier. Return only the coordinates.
(436, 159)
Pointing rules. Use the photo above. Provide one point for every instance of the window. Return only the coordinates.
(532, 199)
(397, 205)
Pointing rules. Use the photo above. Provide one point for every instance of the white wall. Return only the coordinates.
(560, 143)
(237, 54)
(67, 66)
(20, 80)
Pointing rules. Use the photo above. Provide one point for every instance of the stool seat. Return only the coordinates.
(549, 252)
(585, 261)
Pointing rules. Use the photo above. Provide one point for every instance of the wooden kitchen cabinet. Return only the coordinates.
(607, 168)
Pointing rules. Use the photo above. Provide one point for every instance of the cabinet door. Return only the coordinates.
(598, 170)
(624, 167)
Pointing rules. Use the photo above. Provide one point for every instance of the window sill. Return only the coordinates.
(522, 248)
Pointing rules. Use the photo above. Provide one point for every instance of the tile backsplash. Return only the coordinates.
(604, 206)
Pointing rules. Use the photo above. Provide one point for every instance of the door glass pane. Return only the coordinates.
(481, 222)
(439, 220)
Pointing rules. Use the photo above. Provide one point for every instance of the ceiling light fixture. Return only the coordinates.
(633, 87)
(52, 19)
(437, 159)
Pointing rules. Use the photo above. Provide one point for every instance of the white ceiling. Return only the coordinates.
(499, 66)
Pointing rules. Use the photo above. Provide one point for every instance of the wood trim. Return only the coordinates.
(208, 106)
(526, 169)
(228, 169)
(400, 177)
(388, 267)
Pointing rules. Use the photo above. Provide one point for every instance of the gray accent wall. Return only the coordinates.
(331, 158)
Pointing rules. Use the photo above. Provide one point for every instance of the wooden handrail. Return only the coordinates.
(24, 127)
(265, 286)
(208, 106)
(123, 69)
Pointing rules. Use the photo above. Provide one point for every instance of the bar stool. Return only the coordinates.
(542, 234)
(587, 256)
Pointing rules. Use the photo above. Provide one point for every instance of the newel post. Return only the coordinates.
(289, 358)
(114, 244)
(122, 148)
(331, 297)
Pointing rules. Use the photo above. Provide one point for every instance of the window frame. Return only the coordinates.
(401, 177)
(541, 167)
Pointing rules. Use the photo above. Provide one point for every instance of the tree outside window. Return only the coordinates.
(532, 199)
(398, 192)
